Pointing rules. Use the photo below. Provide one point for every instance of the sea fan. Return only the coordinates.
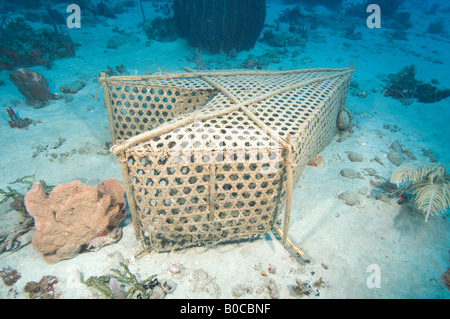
(430, 184)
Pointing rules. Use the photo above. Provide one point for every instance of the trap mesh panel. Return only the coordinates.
(217, 167)
(137, 107)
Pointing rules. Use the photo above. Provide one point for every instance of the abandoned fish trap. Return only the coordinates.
(209, 157)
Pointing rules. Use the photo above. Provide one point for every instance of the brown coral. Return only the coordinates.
(32, 85)
(72, 215)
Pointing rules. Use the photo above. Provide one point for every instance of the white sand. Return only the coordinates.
(342, 241)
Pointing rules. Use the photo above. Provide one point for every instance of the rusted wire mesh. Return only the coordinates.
(209, 157)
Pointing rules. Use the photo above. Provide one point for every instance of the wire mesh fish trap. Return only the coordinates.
(210, 157)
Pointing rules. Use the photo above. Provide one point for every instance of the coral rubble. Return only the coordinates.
(9, 276)
(317, 161)
(16, 121)
(21, 46)
(44, 289)
(405, 87)
(125, 285)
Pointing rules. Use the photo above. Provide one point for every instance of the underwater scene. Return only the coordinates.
(224, 149)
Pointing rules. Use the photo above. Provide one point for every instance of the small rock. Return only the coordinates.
(349, 173)
(73, 87)
(395, 158)
(349, 198)
(397, 147)
(343, 120)
(382, 197)
(355, 157)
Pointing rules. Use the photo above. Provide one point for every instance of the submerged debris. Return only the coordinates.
(303, 288)
(44, 289)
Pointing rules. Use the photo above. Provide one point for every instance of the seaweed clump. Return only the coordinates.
(404, 87)
(125, 285)
(9, 276)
